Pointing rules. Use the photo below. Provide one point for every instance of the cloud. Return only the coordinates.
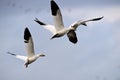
(110, 13)
(96, 53)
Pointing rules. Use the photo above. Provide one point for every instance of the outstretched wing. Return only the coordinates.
(24, 58)
(83, 22)
(50, 28)
(94, 19)
(29, 43)
(72, 36)
(57, 16)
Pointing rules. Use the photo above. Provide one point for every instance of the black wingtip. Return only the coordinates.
(54, 7)
(102, 17)
(11, 53)
(98, 18)
(39, 22)
(27, 35)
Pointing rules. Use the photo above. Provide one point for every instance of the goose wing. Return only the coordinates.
(50, 28)
(24, 58)
(57, 16)
(72, 36)
(29, 43)
(83, 22)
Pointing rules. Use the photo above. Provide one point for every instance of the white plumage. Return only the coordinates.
(58, 28)
(31, 57)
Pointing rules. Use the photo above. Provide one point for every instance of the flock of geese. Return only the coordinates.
(58, 30)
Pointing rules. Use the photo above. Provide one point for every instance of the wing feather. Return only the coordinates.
(24, 58)
(29, 43)
(72, 36)
(83, 22)
(57, 16)
(50, 28)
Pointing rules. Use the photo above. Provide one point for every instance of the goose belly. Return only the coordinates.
(62, 32)
(32, 59)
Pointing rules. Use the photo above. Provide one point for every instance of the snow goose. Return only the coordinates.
(31, 57)
(58, 28)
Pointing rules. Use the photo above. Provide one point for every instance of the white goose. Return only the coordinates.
(58, 28)
(31, 57)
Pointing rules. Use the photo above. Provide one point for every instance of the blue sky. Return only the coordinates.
(96, 56)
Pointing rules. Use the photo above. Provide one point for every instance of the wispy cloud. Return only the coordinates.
(110, 13)
(95, 56)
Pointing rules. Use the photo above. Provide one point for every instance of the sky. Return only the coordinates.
(96, 56)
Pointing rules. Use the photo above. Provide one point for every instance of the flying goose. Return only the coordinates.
(58, 28)
(31, 57)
